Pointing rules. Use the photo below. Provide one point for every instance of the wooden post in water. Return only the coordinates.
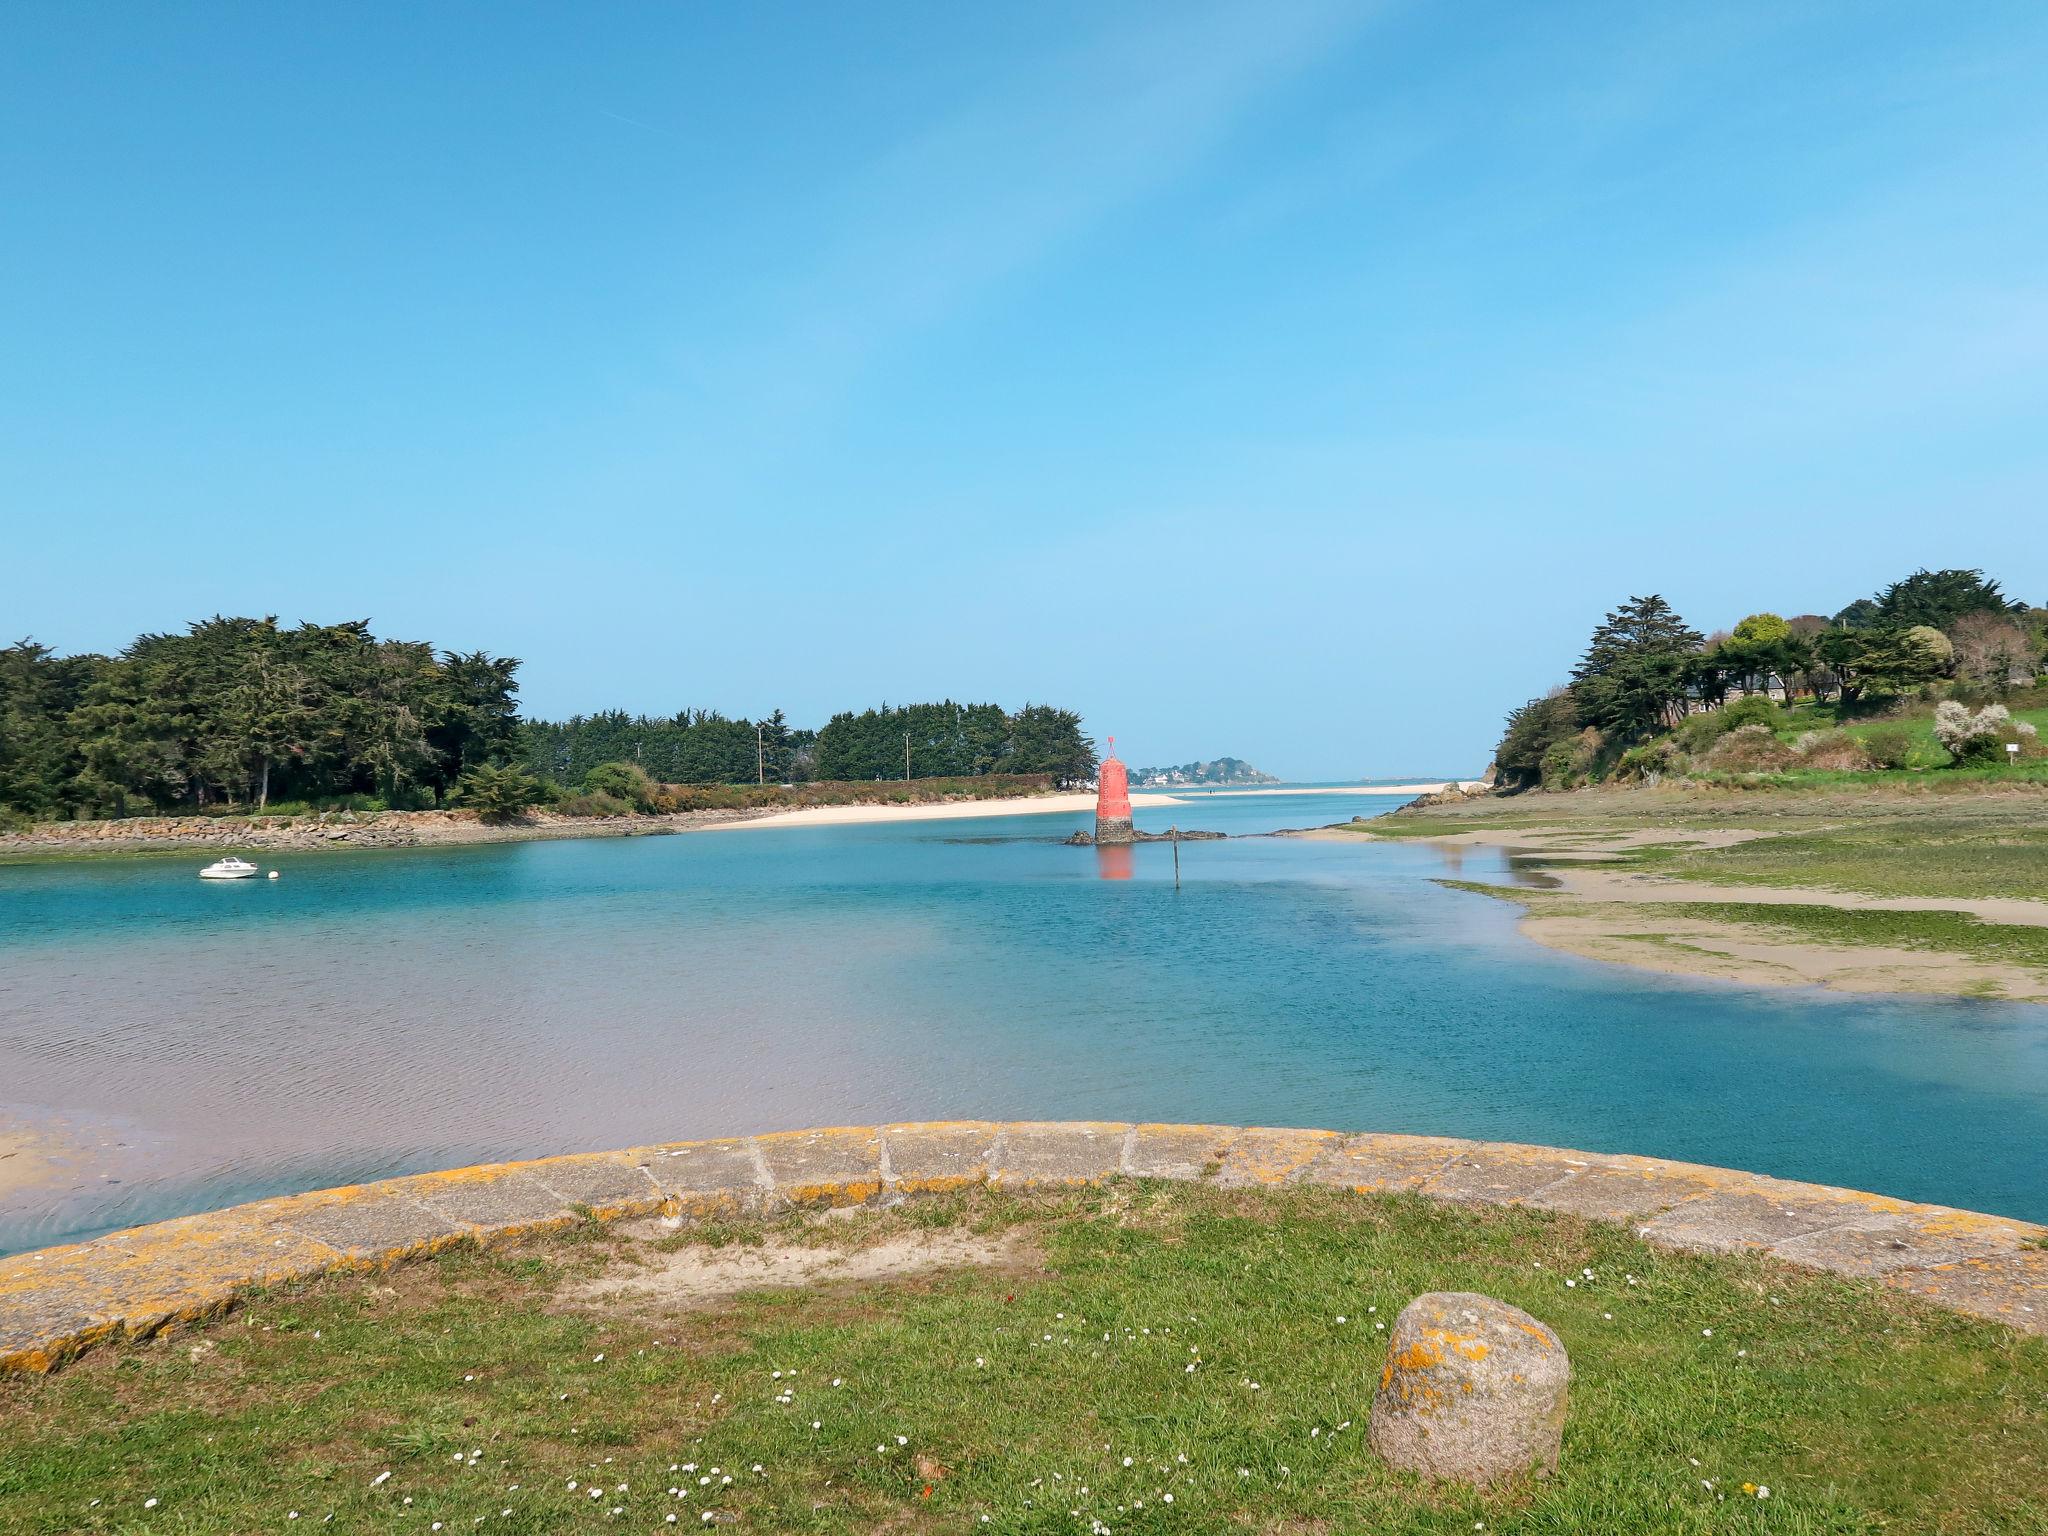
(1175, 831)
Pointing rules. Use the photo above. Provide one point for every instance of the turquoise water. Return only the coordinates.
(374, 1013)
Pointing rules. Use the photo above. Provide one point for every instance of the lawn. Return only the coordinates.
(1144, 1358)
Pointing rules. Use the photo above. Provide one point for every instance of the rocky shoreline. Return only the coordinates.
(343, 829)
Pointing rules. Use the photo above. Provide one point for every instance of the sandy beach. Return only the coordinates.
(944, 810)
(1034, 805)
(1409, 790)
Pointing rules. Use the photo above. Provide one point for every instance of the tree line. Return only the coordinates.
(1645, 669)
(237, 713)
(242, 712)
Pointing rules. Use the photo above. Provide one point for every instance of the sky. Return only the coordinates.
(1288, 380)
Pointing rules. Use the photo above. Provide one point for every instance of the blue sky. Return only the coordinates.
(1297, 381)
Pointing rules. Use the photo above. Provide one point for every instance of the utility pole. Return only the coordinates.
(906, 757)
(760, 757)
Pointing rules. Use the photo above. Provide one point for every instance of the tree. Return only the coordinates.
(498, 794)
(1937, 599)
(1635, 668)
(1531, 732)
(40, 761)
(1762, 629)
(1931, 646)
(1875, 663)
(1991, 649)
(475, 715)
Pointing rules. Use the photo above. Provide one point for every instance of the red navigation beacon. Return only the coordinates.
(1112, 800)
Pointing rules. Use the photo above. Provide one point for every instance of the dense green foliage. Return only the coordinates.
(1651, 695)
(498, 794)
(952, 740)
(694, 747)
(242, 712)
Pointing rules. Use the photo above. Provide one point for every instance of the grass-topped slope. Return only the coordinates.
(1138, 1358)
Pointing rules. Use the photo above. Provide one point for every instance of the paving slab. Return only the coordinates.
(710, 1178)
(1499, 1175)
(931, 1158)
(1373, 1162)
(840, 1166)
(1267, 1155)
(606, 1184)
(1033, 1153)
(2009, 1288)
(498, 1200)
(373, 1225)
(1187, 1152)
(1871, 1245)
(1603, 1193)
(1732, 1222)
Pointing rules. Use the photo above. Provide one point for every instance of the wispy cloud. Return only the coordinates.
(944, 219)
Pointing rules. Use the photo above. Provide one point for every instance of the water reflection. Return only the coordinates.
(1116, 862)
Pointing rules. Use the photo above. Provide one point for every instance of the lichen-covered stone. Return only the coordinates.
(1473, 1391)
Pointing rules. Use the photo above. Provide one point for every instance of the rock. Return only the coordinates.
(1473, 1390)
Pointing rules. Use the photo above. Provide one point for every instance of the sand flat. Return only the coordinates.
(943, 810)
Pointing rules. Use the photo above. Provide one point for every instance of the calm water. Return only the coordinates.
(377, 1013)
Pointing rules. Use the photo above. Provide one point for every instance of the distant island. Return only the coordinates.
(1221, 770)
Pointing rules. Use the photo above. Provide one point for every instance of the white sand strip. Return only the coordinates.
(1197, 794)
(942, 810)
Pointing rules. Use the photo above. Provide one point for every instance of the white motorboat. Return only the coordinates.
(229, 868)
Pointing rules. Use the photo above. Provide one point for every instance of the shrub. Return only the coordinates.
(1650, 762)
(1971, 736)
(593, 803)
(1570, 763)
(497, 795)
(623, 781)
(1888, 746)
(1751, 749)
(1753, 710)
(1696, 733)
(1836, 751)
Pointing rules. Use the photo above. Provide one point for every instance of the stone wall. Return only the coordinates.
(130, 1285)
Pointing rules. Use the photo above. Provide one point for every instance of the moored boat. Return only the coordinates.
(229, 868)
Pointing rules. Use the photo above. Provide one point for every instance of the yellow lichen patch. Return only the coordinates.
(1423, 1354)
(1267, 1156)
(1470, 1345)
(1971, 1224)
(831, 1192)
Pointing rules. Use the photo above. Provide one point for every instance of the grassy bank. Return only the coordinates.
(1152, 1358)
(1838, 848)
(1961, 841)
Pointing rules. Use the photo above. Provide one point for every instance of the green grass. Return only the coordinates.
(1925, 751)
(1964, 841)
(1929, 855)
(1031, 1393)
(1955, 933)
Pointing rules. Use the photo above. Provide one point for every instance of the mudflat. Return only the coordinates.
(1924, 888)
